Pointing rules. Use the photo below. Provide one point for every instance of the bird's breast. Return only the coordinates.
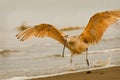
(76, 46)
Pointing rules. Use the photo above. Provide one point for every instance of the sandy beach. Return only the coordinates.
(112, 73)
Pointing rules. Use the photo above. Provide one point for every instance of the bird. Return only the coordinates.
(77, 44)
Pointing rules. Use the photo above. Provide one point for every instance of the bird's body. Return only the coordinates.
(79, 43)
(76, 45)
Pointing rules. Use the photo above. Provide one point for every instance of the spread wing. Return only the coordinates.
(98, 24)
(41, 30)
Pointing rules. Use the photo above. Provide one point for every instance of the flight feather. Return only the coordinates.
(41, 30)
(97, 24)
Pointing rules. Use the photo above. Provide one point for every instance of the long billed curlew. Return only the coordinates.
(77, 44)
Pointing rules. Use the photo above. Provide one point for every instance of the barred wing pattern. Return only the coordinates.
(41, 30)
(98, 24)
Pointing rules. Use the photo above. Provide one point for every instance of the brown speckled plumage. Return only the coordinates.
(76, 44)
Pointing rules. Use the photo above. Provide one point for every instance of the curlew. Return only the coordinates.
(77, 44)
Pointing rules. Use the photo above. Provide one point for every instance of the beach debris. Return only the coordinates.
(88, 72)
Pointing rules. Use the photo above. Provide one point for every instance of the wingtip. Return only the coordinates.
(17, 37)
(21, 40)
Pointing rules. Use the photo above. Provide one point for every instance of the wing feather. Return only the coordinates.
(98, 24)
(41, 31)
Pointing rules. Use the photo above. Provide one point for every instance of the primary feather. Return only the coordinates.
(98, 24)
(41, 30)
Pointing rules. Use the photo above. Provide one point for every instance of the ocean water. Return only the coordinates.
(36, 57)
(43, 56)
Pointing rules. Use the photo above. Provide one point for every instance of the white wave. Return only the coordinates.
(63, 73)
(91, 52)
(99, 65)
(18, 78)
(99, 51)
(104, 51)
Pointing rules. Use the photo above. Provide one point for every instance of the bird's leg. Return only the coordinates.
(71, 59)
(88, 72)
(63, 49)
(65, 41)
(71, 65)
(87, 56)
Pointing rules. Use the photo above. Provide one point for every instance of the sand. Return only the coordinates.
(112, 73)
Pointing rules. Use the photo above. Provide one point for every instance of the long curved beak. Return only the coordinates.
(64, 45)
(63, 49)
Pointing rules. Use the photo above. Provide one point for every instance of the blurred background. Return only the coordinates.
(57, 12)
(26, 58)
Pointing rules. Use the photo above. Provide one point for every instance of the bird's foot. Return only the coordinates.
(87, 62)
